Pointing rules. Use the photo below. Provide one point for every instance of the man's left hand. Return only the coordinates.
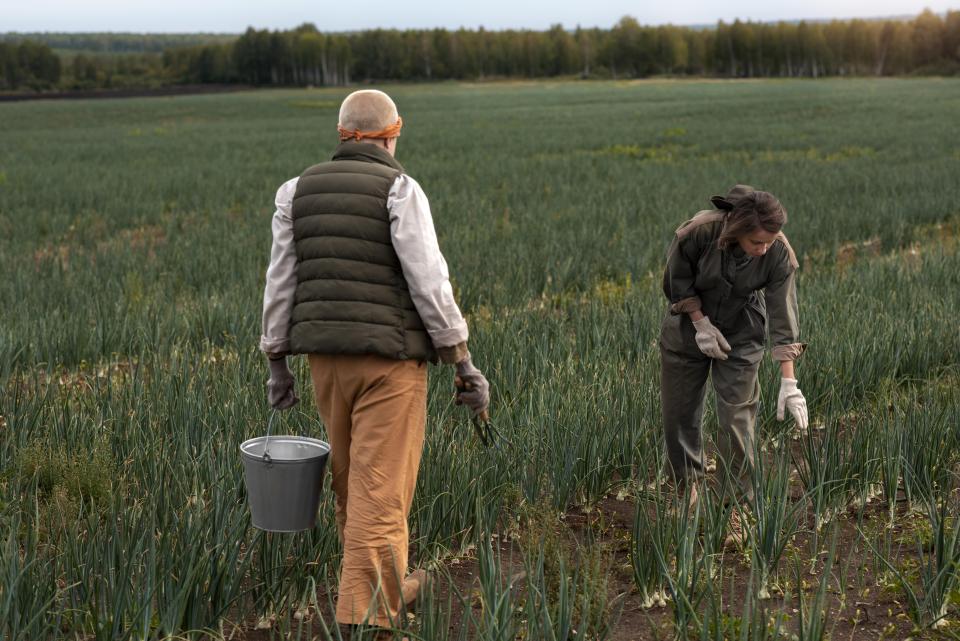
(473, 390)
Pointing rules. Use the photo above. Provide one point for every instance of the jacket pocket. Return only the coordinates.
(758, 306)
(671, 332)
(756, 313)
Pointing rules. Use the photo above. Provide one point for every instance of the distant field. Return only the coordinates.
(134, 235)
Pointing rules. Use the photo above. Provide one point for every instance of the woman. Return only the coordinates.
(730, 272)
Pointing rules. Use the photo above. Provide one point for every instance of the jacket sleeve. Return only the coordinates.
(783, 317)
(281, 276)
(680, 274)
(425, 269)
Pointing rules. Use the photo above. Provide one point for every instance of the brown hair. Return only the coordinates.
(752, 211)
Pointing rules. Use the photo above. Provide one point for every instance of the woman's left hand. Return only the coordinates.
(792, 399)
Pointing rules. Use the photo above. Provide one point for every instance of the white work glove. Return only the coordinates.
(791, 399)
(709, 339)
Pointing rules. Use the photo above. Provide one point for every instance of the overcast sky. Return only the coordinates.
(344, 15)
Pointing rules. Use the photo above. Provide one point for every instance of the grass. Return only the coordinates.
(134, 235)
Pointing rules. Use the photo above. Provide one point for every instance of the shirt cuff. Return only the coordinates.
(789, 352)
(686, 305)
(454, 353)
(449, 336)
(274, 345)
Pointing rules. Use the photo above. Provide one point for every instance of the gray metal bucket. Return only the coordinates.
(284, 475)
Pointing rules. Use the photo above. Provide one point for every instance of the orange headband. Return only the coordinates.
(388, 132)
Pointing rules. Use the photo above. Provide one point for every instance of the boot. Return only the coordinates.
(736, 530)
(415, 582)
(692, 497)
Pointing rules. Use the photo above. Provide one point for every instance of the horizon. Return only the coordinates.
(698, 25)
(114, 17)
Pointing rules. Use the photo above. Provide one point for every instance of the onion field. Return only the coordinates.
(134, 237)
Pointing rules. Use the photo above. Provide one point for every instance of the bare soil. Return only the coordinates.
(860, 605)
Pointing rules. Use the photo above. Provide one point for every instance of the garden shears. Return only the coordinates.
(482, 425)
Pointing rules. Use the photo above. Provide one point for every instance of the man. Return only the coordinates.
(357, 283)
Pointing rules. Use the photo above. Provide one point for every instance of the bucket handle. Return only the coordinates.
(266, 441)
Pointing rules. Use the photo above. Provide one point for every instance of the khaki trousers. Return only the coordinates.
(375, 410)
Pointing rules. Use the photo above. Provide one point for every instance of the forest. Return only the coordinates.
(928, 44)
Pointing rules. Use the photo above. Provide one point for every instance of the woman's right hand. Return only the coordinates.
(710, 340)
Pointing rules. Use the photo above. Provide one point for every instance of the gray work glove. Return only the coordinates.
(709, 339)
(791, 399)
(280, 388)
(473, 390)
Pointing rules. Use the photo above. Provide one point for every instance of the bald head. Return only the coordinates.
(367, 110)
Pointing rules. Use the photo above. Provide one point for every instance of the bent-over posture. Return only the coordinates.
(730, 275)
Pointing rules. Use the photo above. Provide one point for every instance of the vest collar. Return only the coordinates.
(365, 152)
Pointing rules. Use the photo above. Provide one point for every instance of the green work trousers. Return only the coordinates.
(683, 385)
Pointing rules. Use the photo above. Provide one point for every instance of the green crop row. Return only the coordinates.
(129, 371)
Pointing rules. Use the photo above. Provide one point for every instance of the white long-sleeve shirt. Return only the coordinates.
(414, 240)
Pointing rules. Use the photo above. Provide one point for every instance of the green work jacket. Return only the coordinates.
(732, 288)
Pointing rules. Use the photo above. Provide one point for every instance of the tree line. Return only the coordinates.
(926, 44)
(117, 42)
(28, 64)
